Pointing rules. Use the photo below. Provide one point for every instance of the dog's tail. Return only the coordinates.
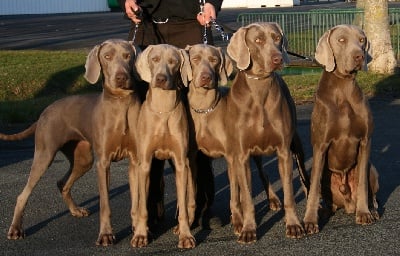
(21, 135)
(298, 154)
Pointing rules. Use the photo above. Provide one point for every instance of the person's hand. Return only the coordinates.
(207, 14)
(131, 10)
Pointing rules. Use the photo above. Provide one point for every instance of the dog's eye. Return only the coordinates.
(213, 59)
(258, 40)
(126, 56)
(172, 61)
(155, 59)
(342, 40)
(107, 57)
(196, 58)
(362, 40)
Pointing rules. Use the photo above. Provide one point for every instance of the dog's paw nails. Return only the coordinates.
(275, 204)
(311, 228)
(365, 218)
(80, 212)
(294, 231)
(176, 230)
(139, 241)
(187, 242)
(247, 237)
(105, 239)
(15, 233)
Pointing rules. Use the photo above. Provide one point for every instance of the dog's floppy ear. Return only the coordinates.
(324, 54)
(142, 64)
(238, 49)
(189, 71)
(185, 68)
(226, 67)
(92, 65)
(284, 44)
(367, 56)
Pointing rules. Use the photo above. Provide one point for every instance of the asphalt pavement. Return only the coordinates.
(51, 230)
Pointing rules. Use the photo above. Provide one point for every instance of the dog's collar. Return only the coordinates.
(208, 110)
(257, 77)
(165, 112)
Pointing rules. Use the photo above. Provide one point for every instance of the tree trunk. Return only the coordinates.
(376, 27)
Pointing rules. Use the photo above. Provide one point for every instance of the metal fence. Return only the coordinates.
(303, 29)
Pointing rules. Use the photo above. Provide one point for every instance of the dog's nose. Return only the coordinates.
(160, 79)
(205, 77)
(359, 57)
(121, 77)
(277, 59)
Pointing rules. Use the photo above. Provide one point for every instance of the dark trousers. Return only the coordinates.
(177, 33)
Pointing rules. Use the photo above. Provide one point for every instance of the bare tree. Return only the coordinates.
(377, 29)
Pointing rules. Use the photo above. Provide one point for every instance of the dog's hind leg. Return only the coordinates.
(79, 154)
(273, 199)
(41, 161)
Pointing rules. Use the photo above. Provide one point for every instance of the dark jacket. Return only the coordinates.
(180, 9)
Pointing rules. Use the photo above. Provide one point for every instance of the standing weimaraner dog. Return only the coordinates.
(341, 129)
(264, 123)
(78, 125)
(208, 107)
(164, 134)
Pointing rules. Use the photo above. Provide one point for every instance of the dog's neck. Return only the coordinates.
(163, 101)
(248, 74)
(203, 100)
(117, 93)
(349, 76)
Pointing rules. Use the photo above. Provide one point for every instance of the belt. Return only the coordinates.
(160, 20)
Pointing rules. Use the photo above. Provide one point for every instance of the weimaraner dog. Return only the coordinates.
(81, 125)
(341, 129)
(164, 134)
(264, 123)
(208, 107)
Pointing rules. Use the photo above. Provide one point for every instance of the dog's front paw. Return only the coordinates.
(295, 231)
(275, 204)
(247, 235)
(364, 218)
(105, 239)
(139, 241)
(79, 212)
(186, 242)
(311, 228)
(237, 224)
(15, 233)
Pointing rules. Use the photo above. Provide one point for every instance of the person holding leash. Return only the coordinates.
(175, 22)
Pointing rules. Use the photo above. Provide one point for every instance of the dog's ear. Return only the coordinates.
(189, 71)
(238, 49)
(92, 65)
(226, 67)
(324, 54)
(284, 44)
(142, 64)
(367, 56)
(185, 68)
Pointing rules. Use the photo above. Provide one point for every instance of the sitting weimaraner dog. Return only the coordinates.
(341, 129)
(164, 134)
(82, 124)
(208, 108)
(263, 123)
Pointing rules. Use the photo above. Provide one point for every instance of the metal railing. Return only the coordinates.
(303, 29)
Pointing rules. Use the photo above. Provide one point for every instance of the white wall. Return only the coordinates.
(8, 7)
(259, 3)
